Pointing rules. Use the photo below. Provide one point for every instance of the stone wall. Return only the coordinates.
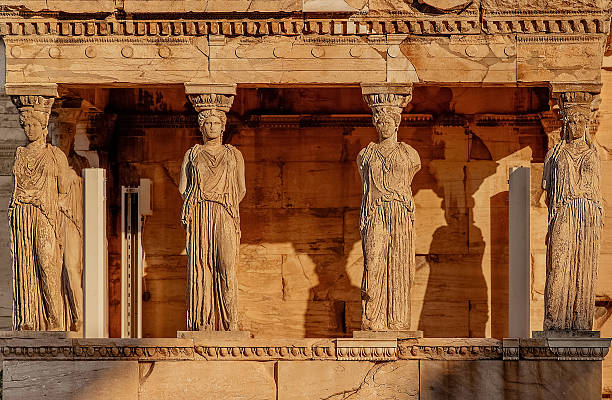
(307, 380)
(301, 264)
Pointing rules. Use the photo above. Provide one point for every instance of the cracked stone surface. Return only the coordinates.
(310, 380)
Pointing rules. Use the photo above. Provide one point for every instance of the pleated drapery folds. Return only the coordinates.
(211, 280)
(387, 234)
(211, 214)
(571, 177)
(37, 304)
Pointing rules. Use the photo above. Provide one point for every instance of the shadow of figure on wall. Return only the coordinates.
(334, 304)
(456, 289)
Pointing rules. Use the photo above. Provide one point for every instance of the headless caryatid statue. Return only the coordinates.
(575, 218)
(42, 177)
(387, 220)
(212, 185)
(71, 224)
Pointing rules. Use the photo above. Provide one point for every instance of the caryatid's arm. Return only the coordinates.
(240, 175)
(183, 179)
(360, 162)
(66, 174)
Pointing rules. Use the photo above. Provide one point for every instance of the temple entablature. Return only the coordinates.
(304, 44)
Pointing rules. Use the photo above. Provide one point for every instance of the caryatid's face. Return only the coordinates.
(576, 126)
(32, 126)
(386, 125)
(211, 128)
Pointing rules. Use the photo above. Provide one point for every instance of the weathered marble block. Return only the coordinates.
(492, 379)
(184, 380)
(77, 380)
(336, 380)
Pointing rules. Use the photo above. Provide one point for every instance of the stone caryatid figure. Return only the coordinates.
(41, 178)
(387, 214)
(571, 179)
(71, 218)
(212, 184)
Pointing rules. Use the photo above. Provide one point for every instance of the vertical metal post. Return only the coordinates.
(132, 260)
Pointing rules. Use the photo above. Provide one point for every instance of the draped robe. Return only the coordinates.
(575, 219)
(36, 237)
(387, 232)
(210, 211)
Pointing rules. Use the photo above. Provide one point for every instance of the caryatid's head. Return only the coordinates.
(387, 121)
(212, 123)
(34, 123)
(576, 123)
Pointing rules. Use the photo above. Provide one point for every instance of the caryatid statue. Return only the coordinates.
(71, 217)
(41, 177)
(212, 185)
(575, 217)
(387, 214)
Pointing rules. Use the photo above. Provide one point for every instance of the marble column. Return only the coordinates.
(212, 185)
(386, 168)
(571, 179)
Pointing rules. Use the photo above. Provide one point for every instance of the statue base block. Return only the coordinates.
(40, 335)
(564, 333)
(387, 334)
(213, 335)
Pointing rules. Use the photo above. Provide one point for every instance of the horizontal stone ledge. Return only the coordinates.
(302, 349)
(408, 24)
(130, 123)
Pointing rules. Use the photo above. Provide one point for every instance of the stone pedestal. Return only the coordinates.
(213, 335)
(40, 335)
(387, 334)
(562, 333)
(440, 368)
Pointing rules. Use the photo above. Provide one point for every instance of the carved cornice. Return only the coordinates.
(468, 22)
(592, 349)
(97, 352)
(266, 353)
(463, 351)
(366, 349)
(542, 22)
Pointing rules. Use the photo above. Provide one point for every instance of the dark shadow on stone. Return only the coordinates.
(499, 265)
